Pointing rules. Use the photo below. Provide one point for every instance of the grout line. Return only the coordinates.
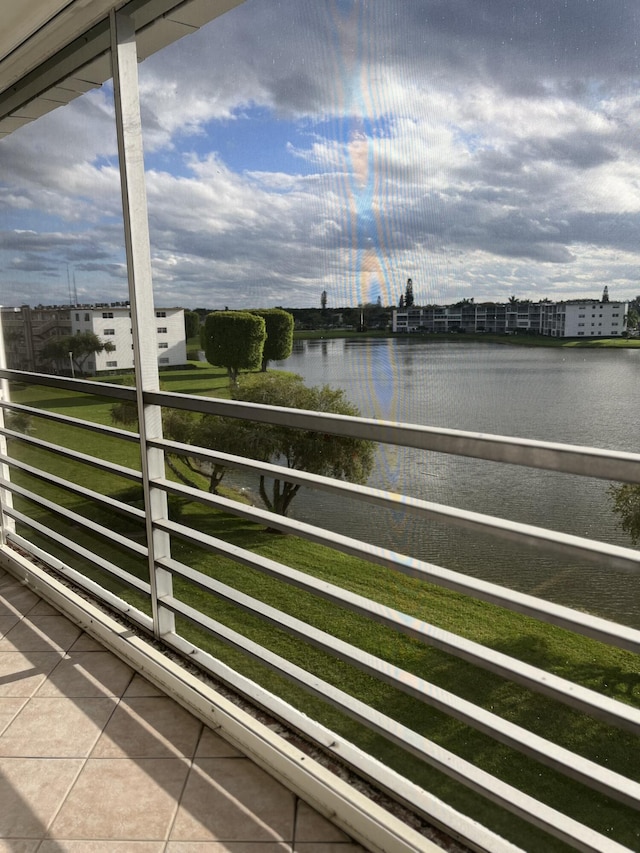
(178, 799)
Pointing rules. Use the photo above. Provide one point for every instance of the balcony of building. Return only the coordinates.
(163, 688)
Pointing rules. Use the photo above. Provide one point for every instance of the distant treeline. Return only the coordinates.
(370, 316)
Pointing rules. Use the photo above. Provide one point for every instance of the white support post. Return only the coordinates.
(6, 498)
(143, 320)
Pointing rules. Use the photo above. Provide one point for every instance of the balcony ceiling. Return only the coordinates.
(52, 51)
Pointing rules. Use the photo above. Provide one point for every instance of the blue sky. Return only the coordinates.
(291, 147)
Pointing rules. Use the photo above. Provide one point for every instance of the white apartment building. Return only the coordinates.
(28, 330)
(570, 319)
(585, 319)
(112, 323)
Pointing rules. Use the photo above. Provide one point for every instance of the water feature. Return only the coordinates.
(568, 395)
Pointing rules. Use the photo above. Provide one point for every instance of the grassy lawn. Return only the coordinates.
(609, 671)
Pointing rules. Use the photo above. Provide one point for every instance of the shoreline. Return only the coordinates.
(508, 340)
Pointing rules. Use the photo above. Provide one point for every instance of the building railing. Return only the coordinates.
(152, 596)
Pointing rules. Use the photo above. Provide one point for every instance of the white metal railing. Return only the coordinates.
(29, 529)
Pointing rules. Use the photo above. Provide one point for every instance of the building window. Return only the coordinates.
(77, 316)
(87, 318)
(112, 364)
(109, 332)
(163, 346)
(580, 324)
(162, 330)
(161, 313)
(580, 315)
(163, 361)
(614, 324)
(107, 315)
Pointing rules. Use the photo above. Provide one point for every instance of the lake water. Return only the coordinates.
(574, 396)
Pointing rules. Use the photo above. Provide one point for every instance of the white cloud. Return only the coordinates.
(479, 152)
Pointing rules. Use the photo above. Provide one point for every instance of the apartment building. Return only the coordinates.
(570, 319)
(28, 330)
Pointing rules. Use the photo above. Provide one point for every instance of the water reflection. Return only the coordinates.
(549, 394)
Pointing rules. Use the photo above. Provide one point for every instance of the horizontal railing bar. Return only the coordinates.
(546, 752)
(96, 497)
(76, 518)
(571, 459)
(76, 455)
(92, 558)
(574, 695)
(84, 386)
(91, 426)
(594, 627)
(551, 541)
(100, 593)
(553, 456)
(513, 800)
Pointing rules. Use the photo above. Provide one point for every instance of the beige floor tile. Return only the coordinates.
(212, 745)
(56, 728)
(87, 846)
(50, 632)
(149, 727)
(9, 708)
(86, 643)
(19, 845)
(42, 608)
(21, 675)
(16, 599)
(88, 674)
(230, 799)
(7, 623)
(141, 687)
(118, 799)
(312, 826)
(31, 792)
(228, 847)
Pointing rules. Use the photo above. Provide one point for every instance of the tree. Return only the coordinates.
(79, 347)
(176, 426)
(626, 505)
(227, 435)
(279, 330)
(319, 453)
(401, 302)
(408, 294)
(633, 317)
(323, 300)
(235, 340)
(299, 449)
(191, 324)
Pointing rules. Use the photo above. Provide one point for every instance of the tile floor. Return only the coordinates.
(93, 758)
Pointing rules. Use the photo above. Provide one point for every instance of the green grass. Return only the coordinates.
(609, 671)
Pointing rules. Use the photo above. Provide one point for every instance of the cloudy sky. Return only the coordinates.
(484, 148)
